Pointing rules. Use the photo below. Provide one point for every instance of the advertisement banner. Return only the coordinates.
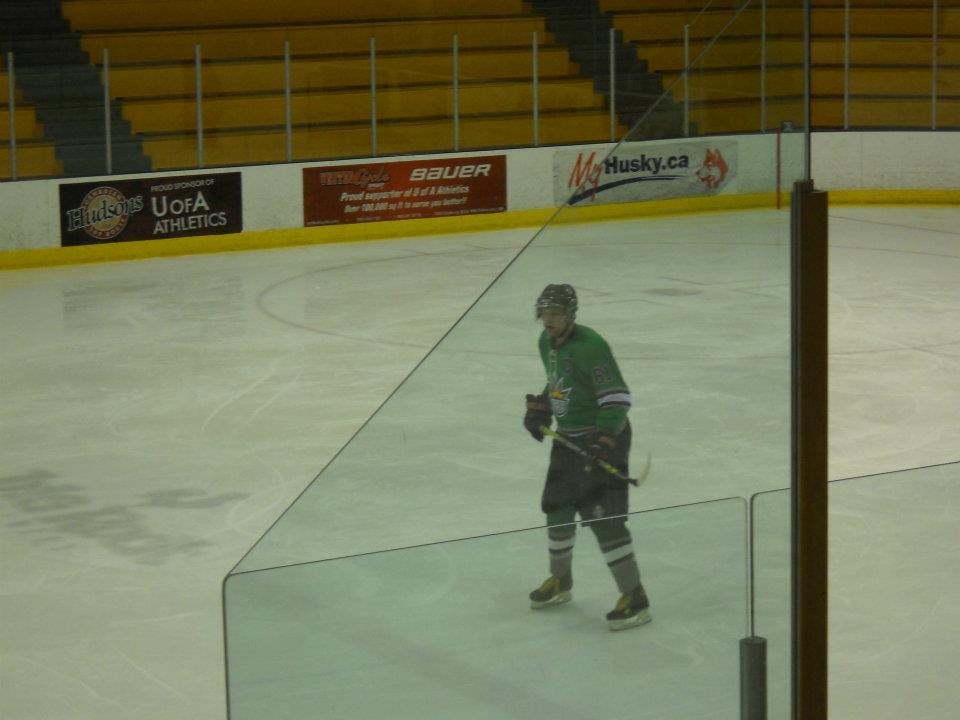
(150, 208)
(644, 172)
(404, 190)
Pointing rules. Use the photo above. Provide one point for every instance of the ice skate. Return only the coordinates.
(554, 591)
(632, 609)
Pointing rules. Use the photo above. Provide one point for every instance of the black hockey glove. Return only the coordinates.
(538, 413)
(601, 446)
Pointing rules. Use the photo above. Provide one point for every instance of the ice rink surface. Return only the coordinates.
(159, 416)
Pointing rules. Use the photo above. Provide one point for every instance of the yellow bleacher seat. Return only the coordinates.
(152, 72)
(257, 76)
(152, 45)
(664, 25)
(695, 6)
(26, 125)
(332, 39)
(887, 112)
(34, 160)
(392, 138)
(724, 85)
(354, 106)
(98, 15)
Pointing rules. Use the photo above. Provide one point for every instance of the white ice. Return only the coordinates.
(159, 416)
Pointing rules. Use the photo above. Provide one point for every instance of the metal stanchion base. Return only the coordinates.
(753, 678)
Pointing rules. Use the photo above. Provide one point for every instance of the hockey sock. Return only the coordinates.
(561, 544)
(623, 565)
(562, 535)
(617, 548)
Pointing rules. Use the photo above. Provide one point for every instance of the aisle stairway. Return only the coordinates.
(584, 29)
(65, 90)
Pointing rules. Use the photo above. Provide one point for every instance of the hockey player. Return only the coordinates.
(589, 399)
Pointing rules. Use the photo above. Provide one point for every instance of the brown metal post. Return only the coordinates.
(809, 461)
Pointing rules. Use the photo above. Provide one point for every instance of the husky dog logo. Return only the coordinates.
(714, 169)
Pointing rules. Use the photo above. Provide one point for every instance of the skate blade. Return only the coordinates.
(641, 618)
(558, 599)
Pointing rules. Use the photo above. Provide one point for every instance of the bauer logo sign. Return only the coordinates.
(644, 172)
(404, 190)
(150, 208)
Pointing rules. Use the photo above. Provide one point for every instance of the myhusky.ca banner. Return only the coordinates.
(643, 172)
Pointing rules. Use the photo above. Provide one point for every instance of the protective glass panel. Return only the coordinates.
(893, 575)
(890, 535)
(692, 303)
(712, 298)
(446, 630)
(770, 593)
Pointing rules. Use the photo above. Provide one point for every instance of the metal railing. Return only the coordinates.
(617, 79)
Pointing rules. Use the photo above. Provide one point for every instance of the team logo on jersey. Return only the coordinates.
(560, 398)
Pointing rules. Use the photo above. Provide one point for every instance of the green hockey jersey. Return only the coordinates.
(584, 384)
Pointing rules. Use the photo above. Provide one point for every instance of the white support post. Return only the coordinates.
(807, 123)
(373, 96)
(935, 67)
(686, 81)
(613, 86)
(107, 115)
(198, 74)
(763, 66)
(846, 64)
(287, 102)
(456, 92)
(536, 91)
(12, 114)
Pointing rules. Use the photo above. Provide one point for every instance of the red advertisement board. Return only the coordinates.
(404, 190)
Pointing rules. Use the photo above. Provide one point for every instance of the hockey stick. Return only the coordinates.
(569, 444)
